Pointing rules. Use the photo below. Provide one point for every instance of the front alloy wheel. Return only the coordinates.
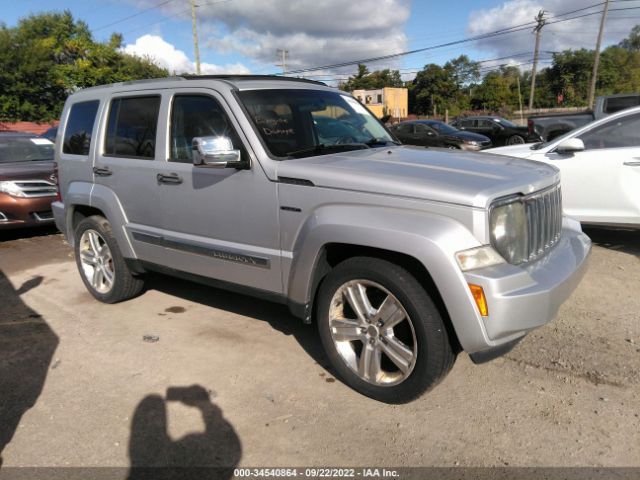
(372, 332)
(381, 331)
(96, 261)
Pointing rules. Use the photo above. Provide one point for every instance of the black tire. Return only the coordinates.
(434, 357)
(515, 140)
(125, 284)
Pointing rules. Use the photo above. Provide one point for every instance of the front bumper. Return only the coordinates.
(60, 216)
(523, 298)
(24, 212)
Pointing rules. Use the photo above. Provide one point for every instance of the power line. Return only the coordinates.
(495, 33)
(133, 16)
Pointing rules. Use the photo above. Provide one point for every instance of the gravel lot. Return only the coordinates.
(237, 381)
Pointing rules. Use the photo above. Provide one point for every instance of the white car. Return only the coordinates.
(600, 168)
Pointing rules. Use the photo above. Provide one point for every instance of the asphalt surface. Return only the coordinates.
(197, 376)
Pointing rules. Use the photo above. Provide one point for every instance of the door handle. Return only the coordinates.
(172, 178)
(632, 164)
(102, 171)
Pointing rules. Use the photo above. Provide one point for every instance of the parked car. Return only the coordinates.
(27, 180)
(600, 169)
(432, 133)
(399, 254)
(501, 131)
(551, 126)
(50, 134)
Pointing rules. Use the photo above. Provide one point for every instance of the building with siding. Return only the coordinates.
(392, 101)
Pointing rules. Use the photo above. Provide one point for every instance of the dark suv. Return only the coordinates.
(500, 130)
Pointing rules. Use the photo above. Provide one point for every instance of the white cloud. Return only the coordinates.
(572, 34)
(166, 55)
(315, 32)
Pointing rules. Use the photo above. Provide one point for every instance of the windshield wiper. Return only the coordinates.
(380, 141)
(321, 148)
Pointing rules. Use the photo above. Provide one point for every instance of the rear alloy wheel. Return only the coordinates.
(103, 269)
(96, 261)
(381, 331)
(515, 140)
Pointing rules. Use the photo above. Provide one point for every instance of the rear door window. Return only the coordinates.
(79, 128)
(132, 127)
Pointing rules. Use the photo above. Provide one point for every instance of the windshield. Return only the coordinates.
(295, 123)
(25, 149)
(443, 128)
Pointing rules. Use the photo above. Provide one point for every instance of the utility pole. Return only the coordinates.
(195, 35)
(283, 54)
(520, 99)
(596, 60)
(537, 29)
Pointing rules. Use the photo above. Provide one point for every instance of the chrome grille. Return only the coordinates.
(36, 188)
(544, 220)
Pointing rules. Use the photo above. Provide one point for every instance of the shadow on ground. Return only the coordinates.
(277, 315)
(212, 454)
(18, 233)
(627, 241)
(27, 345)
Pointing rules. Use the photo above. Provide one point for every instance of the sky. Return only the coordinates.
(243, 36)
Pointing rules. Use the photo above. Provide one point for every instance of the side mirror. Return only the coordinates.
(215, 152)
(570, 145)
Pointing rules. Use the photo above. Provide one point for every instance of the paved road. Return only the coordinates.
(238, 381)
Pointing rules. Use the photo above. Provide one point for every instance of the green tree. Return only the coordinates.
(632, 42)
(365, 80)
(47, 56)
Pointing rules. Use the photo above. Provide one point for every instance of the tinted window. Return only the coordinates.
(197, 116)
(423, 129)
(77, 134)
(618, 133)
(485, 123)
(404, 128)
(132, 125)
(616, 104)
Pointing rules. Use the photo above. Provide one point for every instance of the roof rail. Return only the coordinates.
(229, 78)
(135, 82)
(235, 78)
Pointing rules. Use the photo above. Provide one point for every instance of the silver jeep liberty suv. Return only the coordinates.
(293, 191)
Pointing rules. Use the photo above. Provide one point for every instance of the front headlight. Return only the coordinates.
(10, 188)
(508, 231)
(472, 142)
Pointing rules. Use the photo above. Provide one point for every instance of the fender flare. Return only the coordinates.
(431, 239)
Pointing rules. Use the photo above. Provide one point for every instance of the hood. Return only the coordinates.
(470, 136)
(520, 151)
(463, 178)
(26, 170)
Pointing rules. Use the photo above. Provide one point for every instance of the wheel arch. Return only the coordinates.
(332, 254)
(423, 243)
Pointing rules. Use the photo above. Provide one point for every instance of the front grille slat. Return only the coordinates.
(544, 218)
(36, 188)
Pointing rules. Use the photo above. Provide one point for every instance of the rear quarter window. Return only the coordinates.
(79, 128)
